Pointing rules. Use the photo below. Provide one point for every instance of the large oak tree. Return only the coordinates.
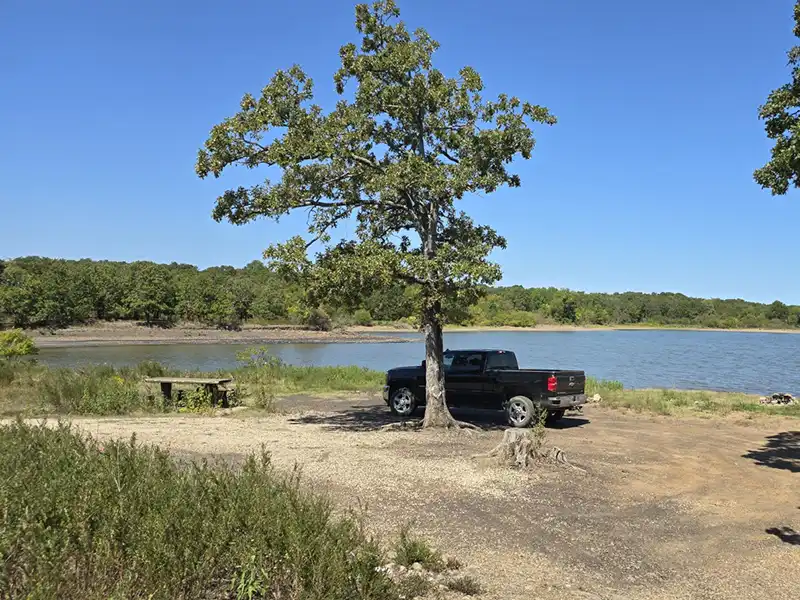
(402, 145)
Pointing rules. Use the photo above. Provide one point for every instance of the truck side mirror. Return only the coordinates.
(423, 363)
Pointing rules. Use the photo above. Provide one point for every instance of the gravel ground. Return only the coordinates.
(664, 508)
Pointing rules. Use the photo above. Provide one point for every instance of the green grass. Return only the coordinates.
(683, 402)
(85, 521)
(28, 388)
(409, 550)
(288, 379)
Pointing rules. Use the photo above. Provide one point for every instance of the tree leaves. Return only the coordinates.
(409, 144)
(781, 114)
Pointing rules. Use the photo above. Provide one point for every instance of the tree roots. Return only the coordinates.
(522, 448)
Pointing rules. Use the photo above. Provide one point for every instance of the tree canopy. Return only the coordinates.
(226, 296)
(402, 145)
(781, 114)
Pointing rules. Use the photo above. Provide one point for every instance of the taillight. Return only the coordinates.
(552, 384)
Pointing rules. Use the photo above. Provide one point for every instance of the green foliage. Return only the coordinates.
(14, 344)
(83, 520)
(409, 550)
(403, 144)
(152, 294)
(781, 113)
(228, 297)
(96, 390)
(362, 317)
(319, 320)
(598, 386)
(683, 402)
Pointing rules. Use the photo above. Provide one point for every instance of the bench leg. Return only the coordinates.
(166, 391)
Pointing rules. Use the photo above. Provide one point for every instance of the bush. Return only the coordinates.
(409, 550)
(517, 318)
(14, 343)
(97, 390)
(362, 317)
(318, 320)
(465, 585)
(123, 521)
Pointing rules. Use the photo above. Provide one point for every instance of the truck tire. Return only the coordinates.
(521, 412)
(403, 402)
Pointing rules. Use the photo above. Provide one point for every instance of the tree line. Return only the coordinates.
(46, 292)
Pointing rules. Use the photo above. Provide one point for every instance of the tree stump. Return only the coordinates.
(516, 449)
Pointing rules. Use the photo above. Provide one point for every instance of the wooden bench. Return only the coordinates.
(214, 387)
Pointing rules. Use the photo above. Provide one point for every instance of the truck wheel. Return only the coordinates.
(554, 415)
(403, 402)
(521, 411)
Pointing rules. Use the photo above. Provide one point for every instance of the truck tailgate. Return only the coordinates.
(569, 382)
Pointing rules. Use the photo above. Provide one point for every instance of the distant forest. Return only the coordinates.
(44, 292)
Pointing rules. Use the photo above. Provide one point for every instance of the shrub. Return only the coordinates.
(318, 320)
(14, 343)
(96, 390)
(517, 318)
(465, 585)
(409, 550)
(124, 521)
(362, 317)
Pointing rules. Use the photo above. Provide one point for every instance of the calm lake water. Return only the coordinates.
(748, 362)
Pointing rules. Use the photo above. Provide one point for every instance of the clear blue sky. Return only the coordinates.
(645, 183)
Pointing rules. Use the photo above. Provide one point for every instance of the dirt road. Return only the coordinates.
(666, 508)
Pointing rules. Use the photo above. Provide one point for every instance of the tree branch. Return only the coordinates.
(366, 162)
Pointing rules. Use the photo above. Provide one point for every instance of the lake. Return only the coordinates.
(756, 363)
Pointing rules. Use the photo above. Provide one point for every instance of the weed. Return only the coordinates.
(538, 434)
(125, 521)
(469, 586)
(409, 550)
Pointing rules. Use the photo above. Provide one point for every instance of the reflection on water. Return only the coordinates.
(749, 362)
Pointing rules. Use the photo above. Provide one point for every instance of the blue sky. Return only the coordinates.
(644, 184)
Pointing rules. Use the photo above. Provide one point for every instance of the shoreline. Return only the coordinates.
(565, 328)
(131, 334)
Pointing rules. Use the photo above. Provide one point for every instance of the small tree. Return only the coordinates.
(14, 344)
(781, 114)
(396, 158)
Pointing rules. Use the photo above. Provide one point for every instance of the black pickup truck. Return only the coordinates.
(489, 379)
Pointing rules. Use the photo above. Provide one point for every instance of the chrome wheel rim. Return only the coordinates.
(517, 412)
(402, 401)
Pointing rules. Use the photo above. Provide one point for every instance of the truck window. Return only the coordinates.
(463, 360)
(501, 360)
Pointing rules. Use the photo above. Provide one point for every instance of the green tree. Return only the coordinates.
(781, 114)
(778, 311)
(152, 294)
(396, 157)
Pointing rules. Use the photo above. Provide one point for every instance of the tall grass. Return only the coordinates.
(27, 388)
(121, 520)
(683, 402)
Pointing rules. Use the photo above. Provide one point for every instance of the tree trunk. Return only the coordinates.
(436, 412)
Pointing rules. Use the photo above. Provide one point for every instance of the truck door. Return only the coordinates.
(464, 378)
(493, 389)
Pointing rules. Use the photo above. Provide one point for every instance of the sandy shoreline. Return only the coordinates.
(124, 333)
(566, 328)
